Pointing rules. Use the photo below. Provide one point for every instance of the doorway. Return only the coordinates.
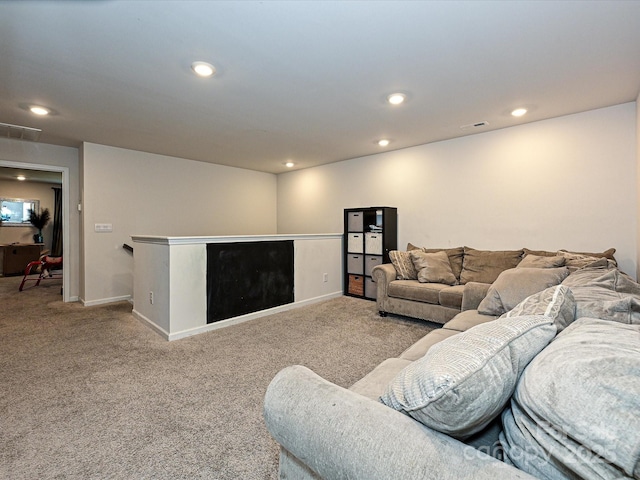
(53, 175)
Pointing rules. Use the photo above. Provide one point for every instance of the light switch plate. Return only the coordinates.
(103, 227)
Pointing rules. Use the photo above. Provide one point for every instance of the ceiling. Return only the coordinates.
(11, 174)
(306, 81)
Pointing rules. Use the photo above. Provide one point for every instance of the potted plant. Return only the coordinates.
(39, 220)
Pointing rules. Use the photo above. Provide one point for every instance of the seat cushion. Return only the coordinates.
(373, 384)
(418, 349)
(414, 290)
(467, 319)
(452, 296)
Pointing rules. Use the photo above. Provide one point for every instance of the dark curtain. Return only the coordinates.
(56, 242)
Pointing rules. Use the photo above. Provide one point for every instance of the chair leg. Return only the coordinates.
(27, 272)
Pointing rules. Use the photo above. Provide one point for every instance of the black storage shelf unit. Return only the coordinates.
(370, 233)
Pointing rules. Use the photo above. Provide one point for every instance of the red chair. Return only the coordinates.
(46, 269)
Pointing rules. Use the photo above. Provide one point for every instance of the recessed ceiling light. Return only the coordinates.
(518, 112)
(203, 69)
(384, 142)
(22, 178)
(289, 164)
(38, 110)
(396, 98)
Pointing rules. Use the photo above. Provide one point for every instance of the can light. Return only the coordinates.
(203, 69)
(289, 164)
(38, 110)
(22, 178)
(518, 112)
(384, 142)
(396, 98)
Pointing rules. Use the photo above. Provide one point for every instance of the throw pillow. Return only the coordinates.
(577, 404)
(455, 255)
(541, 261)
(464, 381)
(484, 266)
(556, 303)
(403, 265)
(433, 267)
(514, 285)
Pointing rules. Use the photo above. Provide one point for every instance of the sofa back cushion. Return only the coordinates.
(514, 285)
(484, 266)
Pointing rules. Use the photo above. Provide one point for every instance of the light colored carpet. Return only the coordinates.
(91, 393)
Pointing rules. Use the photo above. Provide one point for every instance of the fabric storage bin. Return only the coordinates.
(355, 264)
(371, 261)
(355, 222)
(370, 289)
(373, 243)
(355, 243)
(356, 284)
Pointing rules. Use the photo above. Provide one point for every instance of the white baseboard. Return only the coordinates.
(234, 320)
(103, 301)
(159, 330)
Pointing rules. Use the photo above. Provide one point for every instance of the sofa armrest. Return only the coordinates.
(385, 273)
(473, 294)
(338, 433)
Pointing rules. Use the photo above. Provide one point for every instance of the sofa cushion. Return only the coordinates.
(414, 290)
(542, 261)
(374, 383)
(540, 253)
(606, 254)
(605, 293)
(455, 255)
(556, 302)
(577, 404)
(468, 319)
(484, 266)
(514, 285)
(418, 349)
(463, 382)
(451, 297)
(433, 267)
(403, 264)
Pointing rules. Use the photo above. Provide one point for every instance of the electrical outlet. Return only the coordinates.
(151, 298)
(325, 277)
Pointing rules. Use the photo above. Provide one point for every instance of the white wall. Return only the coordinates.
(568, 182)
(33, 153)
(147, 194)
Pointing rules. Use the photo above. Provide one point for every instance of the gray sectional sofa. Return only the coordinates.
(524, 382)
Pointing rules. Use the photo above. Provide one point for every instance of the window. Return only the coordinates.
(15, 211)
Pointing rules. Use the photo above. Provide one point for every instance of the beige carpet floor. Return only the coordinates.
(91, 393)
